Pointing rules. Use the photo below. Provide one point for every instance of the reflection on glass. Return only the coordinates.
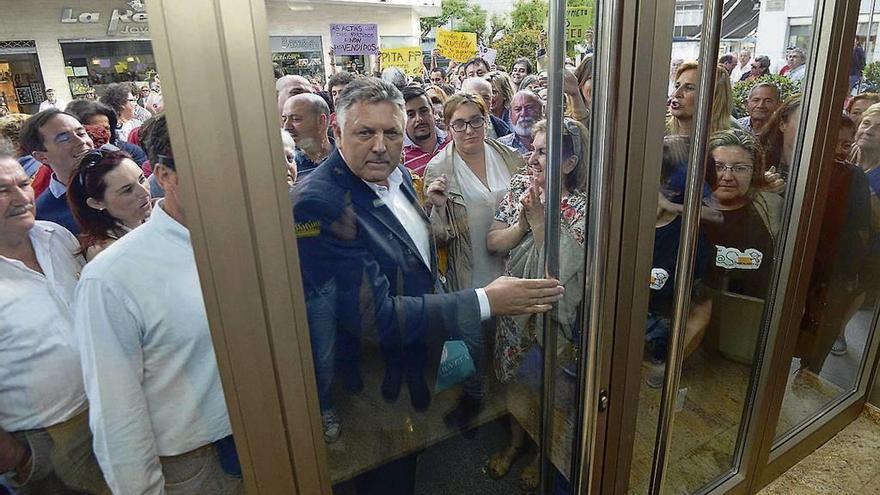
(751, 136)
(419, 182)
(842, 295)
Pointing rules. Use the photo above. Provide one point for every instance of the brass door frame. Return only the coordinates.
(214, 60)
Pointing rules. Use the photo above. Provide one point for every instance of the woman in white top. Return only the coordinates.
(466, 181)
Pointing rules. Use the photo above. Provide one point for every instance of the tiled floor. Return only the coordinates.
(847, 464)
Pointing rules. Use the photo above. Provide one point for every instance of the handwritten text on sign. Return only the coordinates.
(578, 22)
(456, 45)
(408, 59)
(354, 39)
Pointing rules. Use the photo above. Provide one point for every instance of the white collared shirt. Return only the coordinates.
(56, 187)
(40, 377)
(406, 213)
(148, 361)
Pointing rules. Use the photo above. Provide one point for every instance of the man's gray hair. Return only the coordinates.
(367, 90)
(395, 76)
(800, 52)
(527, 92)
(770, 85)
(319, 106)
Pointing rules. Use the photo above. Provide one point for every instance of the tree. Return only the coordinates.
(529, 14)
(497, 24)
(462, 15)
(516, 44)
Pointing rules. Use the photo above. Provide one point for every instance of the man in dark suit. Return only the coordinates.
(368, 255)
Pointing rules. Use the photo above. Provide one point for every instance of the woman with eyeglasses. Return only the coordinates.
(518, 233)
(119, 97)
(108, 196)
(465, 181)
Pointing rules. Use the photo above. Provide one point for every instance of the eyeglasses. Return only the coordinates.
(88, 161)
(461, 125)
(720, 168)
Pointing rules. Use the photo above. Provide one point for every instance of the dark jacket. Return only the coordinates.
(347, 235)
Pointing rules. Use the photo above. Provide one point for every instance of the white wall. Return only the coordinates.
(40, 20)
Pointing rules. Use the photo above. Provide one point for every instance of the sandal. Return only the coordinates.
(500, 462)
(528, 479)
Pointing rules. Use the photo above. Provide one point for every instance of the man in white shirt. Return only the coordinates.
(45, 443)
(52, 101)
(157, 411)
(745, 57)
(797, 64)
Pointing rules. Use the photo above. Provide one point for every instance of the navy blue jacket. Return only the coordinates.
(345, 233)
(56, 210)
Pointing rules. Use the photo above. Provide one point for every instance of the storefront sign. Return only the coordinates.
(408, 59)
(354, 39)
(131, 21)
(456, 45)
(295, 43)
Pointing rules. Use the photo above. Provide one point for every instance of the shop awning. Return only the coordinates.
(738, 20)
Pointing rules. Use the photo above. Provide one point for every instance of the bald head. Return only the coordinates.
(306, 117)
(291, 85)
(480, 87)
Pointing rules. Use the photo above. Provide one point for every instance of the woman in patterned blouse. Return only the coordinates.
(518, 231)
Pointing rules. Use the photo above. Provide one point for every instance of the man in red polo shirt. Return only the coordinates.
(423, 139)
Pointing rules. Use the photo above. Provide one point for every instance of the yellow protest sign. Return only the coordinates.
(456, 45)
(578, 22)
(408, 59)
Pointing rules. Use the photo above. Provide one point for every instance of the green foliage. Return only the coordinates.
(741, 89)
(516, 44)
(463, 15)
(529, 14)
(872, 75)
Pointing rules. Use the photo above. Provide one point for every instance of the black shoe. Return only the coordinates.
(391, 384)
(419, 394)
(463, 414)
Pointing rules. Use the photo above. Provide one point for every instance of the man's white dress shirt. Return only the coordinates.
(394, 198)
(148, 361)
(40, 376)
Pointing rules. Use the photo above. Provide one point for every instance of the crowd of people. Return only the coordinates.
(419, 207)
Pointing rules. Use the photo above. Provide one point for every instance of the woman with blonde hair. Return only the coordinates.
(502, 95)
(683, 101)
(438, 97)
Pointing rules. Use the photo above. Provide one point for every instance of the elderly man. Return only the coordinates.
(58, 140)
(362, 232)
(52, 101)
(423, 138)
(483, 89)
(157, 409)
(290, 85)
(763, 101)
(797, 64)
(44, 432)
(307, 117)
(736, 74)
(526, 109)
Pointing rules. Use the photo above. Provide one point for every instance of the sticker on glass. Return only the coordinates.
(734, 259)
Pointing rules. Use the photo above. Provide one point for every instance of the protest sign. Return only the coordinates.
(456, 45)
(354, 39)
(577, 23)
(408, 59)
(489, 55)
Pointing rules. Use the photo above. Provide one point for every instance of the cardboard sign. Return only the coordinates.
(354, 39)
(457, 46)
(577, 23)
(489, 55)
(408, 59)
